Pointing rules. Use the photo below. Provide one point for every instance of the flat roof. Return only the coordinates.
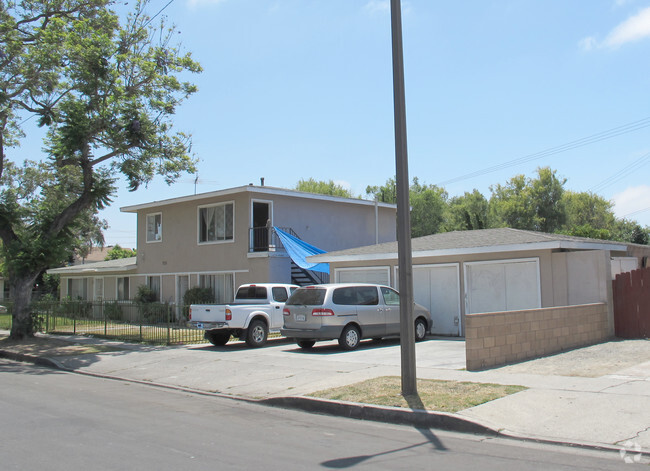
(266, 190)
(120, 265)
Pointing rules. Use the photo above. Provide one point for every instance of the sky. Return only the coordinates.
(298, 89)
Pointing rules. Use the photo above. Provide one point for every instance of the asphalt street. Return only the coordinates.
(57, 420)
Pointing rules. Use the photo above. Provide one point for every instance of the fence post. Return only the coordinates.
(168, 324)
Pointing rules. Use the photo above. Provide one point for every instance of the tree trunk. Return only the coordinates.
(22, 325)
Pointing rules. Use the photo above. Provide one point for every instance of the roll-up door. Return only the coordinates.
(506, 285)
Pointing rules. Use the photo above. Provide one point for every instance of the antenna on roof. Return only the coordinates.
(262, 181)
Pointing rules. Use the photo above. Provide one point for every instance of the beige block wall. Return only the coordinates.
(499, 338)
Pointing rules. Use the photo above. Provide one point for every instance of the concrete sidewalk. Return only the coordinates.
(597, 396)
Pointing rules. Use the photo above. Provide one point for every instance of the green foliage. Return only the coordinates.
(428, 209)
(538, 204)
(468, 212)
(386, 193)
(118, 252)
(113, 311)
(532, 204)
(198, 295)
(323, 188)
(145, 295)
(105, 92)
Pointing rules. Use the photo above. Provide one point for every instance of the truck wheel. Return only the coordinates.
(219, 339)
(350, 337)
(306, 343)
(420, 329)
(257, 334)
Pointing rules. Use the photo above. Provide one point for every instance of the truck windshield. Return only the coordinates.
(251, 292)
(307, 297)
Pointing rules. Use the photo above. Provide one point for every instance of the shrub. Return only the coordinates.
(198, 295)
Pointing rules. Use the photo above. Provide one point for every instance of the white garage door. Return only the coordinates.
(437, 287)
(377, 275)
(506, 285)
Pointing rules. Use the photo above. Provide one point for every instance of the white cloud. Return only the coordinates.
(588, 43)
(633, 203)
(633, 29)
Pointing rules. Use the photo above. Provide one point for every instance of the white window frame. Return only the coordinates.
(157, 230)
(198, 224)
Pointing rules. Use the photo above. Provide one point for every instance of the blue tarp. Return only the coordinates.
(299, 250)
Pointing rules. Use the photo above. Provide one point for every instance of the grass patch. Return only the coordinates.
(435, 395)
(5, 321)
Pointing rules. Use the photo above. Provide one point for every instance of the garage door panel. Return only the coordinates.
(438, 289)
(378, 276)
(502, 285)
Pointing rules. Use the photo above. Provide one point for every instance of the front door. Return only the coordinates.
(261, 226)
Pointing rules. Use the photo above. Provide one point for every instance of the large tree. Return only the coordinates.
(323, 188)
(105, 91)
(529, 203)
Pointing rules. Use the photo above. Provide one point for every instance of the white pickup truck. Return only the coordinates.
(256, 311)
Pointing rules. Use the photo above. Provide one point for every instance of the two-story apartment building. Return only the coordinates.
(225, 238)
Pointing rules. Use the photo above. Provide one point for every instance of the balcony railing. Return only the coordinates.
(264, 239)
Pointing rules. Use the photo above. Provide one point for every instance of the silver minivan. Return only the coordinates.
(348, 312)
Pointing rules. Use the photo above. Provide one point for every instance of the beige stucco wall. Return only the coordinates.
(566, 278)
(499, 338)
(329, 225)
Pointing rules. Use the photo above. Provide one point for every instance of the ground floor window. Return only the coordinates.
(154, 284)
(78, 288)
(222, 286)
(123, 293)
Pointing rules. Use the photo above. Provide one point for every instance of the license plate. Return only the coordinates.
(300, 318)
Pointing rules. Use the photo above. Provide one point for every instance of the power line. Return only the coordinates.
(159, 12)
(601, 136)
(621, 173)
(635, 212)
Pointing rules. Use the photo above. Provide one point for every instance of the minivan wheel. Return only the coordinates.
(306, 343)
(257, 334)
(350, 337)
(420, 329)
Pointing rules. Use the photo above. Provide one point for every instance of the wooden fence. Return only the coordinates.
(632, 304)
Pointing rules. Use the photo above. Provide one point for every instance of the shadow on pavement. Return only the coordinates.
(416, 404)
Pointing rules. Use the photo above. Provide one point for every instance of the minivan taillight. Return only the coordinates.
(228, 315)
(286, 311)
(322, 312)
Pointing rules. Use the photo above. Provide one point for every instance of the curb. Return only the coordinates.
(395, 415)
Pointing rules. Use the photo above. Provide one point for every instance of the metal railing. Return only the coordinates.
(157, 323)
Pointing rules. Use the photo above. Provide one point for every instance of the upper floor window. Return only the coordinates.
(216, 223)
(154, 227)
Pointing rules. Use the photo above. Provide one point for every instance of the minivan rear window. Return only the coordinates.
(307, 297)
(356, 296)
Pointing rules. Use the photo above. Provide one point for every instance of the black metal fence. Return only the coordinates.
(158, 323)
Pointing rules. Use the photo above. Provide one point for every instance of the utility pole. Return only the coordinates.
(404, 254)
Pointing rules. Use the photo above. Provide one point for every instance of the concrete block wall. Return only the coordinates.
(499, 338)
